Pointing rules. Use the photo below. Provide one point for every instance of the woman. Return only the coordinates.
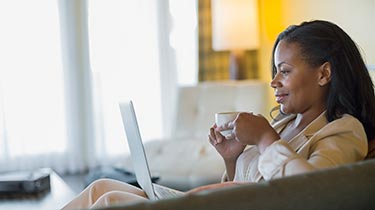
(327, 107)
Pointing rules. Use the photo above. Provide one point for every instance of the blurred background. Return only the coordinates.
(66, 64)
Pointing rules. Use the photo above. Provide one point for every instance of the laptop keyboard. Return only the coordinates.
(165, 192)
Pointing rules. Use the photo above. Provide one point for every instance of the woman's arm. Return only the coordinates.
(340, 142)
(248, 129)
(228, 148)
(216, 186)
(252, 129)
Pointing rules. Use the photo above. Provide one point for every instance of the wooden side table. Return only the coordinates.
(59, 194)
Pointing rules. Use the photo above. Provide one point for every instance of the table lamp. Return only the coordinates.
(235, 28)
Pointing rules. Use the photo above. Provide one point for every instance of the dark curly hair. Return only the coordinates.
(351, 90)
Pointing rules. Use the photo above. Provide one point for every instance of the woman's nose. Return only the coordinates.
(275, 81)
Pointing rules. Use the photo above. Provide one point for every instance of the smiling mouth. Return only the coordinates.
(280, 97)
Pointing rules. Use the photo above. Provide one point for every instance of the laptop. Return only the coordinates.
(138, 156)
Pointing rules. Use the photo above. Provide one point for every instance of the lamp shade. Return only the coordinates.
(235, 24)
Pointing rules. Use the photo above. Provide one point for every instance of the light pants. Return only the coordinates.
(106, 192)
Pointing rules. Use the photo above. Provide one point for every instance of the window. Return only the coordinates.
(184, 39)
(32, 114)
(124, 59)
(43, 118)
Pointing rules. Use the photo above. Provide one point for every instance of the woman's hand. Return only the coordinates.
(228, 148)
(215, 186)
(250, 129)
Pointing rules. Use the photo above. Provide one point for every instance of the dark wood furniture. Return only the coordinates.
(55, 198)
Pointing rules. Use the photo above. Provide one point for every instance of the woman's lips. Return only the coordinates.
(280, 97)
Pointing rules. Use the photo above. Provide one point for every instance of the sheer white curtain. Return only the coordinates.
(78, 85)
(125, 62)
(140, 50)
(32, 111)
(65, 66)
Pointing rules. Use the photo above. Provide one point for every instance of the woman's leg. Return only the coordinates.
(117, 197)
(97, 189)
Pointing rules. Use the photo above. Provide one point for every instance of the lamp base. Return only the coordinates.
(236, 65)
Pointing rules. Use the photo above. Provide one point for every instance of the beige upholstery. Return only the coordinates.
(197, 105)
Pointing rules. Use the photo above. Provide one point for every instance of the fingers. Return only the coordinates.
(238, 126)
(230, 136)
(260, 115)
(218, 136)
(211, 136)
(215, 136)
(227, 126)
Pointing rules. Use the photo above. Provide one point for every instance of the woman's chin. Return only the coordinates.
(284, 110)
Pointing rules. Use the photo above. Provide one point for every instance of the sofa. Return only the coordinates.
(346, 187)
(186, 159)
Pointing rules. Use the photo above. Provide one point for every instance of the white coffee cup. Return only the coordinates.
(224, 117)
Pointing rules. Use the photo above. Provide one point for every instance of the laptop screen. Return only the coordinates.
(137, 151)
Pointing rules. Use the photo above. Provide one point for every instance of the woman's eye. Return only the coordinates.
(284, 71)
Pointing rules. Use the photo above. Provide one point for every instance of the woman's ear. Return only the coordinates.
(324, 74)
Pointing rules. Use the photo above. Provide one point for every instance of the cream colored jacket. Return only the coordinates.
(319, 145)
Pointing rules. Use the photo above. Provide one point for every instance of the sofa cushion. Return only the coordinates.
(347, 187)
(183, 164)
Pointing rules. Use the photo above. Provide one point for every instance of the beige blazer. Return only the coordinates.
(321, 144)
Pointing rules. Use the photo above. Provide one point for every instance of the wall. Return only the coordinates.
(356, 17)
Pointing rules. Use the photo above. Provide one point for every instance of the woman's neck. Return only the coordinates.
(301, 121)
(304, 119)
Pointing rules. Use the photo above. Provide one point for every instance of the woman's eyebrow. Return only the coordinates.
(281, 63)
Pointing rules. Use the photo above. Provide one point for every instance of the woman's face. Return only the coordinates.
(296, 83)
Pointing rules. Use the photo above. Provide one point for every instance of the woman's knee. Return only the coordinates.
(99, 187)
(118, 197)
(100, 182)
